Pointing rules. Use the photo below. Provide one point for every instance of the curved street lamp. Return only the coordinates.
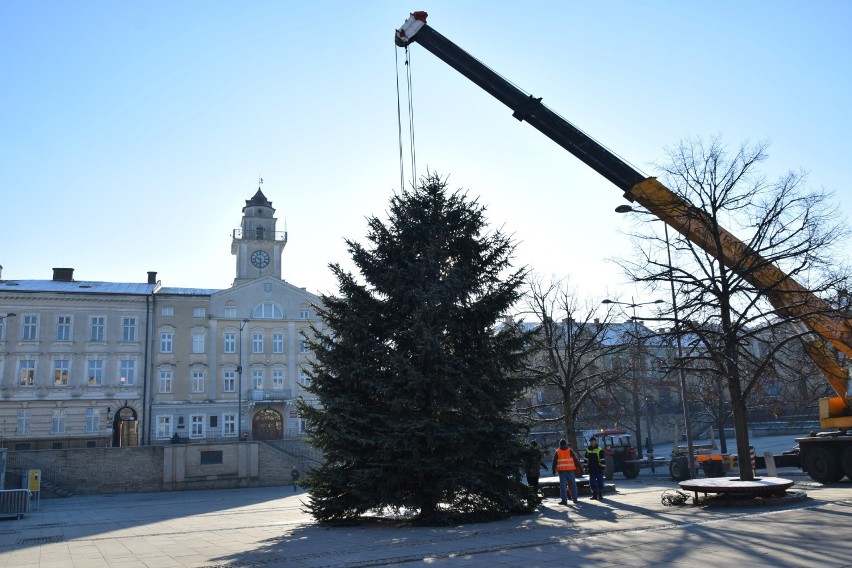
(686, 417)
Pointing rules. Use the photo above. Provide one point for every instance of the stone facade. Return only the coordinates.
(96, 364)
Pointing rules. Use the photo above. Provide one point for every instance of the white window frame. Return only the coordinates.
(23, 425)
(304, 379)
(95, 372)
(167, 311)
(29, 328)
(197, 380)
(128, 329)
(196, 425)
(230, 312)
(164, 426)
(199, 312)
(26, 372)
(303, 346)
(57, 424)
(278, 343)
(97, 329)
(258, 378)
(198, 342)
(127, 372)
(229, 381)
(63, 328)
(278, 379)
(165, 380)
(257, 343)
(268, 310)
(167, 344)
(304, 314)
(229, 342)
(61, 372)
(229, 425)
(93, 420)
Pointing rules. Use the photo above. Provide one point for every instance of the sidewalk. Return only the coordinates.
(266, 527)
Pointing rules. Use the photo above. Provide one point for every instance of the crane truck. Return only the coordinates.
(825, 456)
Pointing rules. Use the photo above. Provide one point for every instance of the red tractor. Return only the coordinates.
(620, 453)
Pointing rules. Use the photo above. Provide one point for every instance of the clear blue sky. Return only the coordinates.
(131, 133)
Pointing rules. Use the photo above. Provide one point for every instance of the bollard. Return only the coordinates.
(771, 470)
(752, 458)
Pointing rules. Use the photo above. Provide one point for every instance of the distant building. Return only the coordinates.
(102, 363)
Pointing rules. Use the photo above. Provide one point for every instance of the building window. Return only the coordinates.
(127, 372)
(165, 382)
(229, 425)
(57, 426)
(29, 330)
(128, 329)
(164, 427)
(2, 329)
(304, 379)
(278, 343)
(304, 314)
(93, 422)
(196, 426)
(97, 328)
(257, 343)
(96, 372)
(26, 373)
(230, 382)
(231, 312)
(167, 312)
(198, 342)
(278, 379)
(303, 346)
(268, 310)
(230, 343)
(63, 328)
(60, 372)
(197, 381)
(257, 379)
(198, 312)
(24, 422)
(166, 341)
(214, 421)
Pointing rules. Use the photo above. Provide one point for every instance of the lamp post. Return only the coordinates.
(690, 448)
(240, 384)
(635, 391)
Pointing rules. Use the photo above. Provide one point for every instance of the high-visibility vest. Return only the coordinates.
(565, 461)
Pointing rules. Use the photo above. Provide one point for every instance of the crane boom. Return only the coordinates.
(785, 294)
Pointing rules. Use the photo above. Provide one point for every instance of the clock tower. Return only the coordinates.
(256, 243)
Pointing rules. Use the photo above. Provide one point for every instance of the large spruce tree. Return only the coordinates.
(414, 376)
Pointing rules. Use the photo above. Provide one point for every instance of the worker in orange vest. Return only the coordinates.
(566, 463)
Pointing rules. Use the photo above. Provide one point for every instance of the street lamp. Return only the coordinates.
(686, 417)
(635, 390)
(240, 384)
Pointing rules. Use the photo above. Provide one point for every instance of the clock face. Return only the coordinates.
(259, 258)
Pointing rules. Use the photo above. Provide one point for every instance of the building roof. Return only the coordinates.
(79, 286)
(189, 291)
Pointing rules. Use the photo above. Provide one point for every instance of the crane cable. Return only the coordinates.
(410, 101)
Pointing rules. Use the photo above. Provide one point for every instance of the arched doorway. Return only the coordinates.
(267, 424)
(125, 427)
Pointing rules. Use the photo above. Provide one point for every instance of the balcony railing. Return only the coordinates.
(261, 236)
(267, 395)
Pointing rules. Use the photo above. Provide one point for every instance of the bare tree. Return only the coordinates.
(781, 224)
(570, 351)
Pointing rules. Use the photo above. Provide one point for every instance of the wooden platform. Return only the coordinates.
(734, 486)
(550, 486)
